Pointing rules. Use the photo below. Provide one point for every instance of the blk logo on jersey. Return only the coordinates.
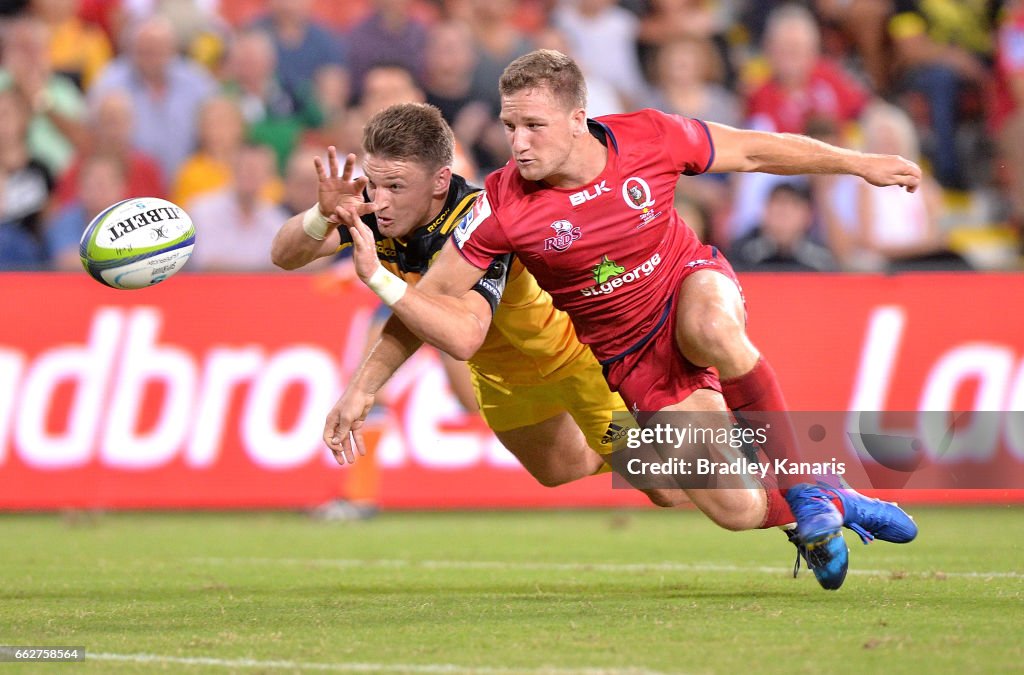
(586, 195)
(565, 234)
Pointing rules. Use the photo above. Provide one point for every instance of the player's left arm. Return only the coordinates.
(444, 309)
(792, 154)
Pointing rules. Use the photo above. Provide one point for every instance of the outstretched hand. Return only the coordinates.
(885, 170)
(334, 190)
(343, 429)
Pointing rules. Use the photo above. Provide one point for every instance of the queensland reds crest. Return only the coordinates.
(637, 193)
(565, 234)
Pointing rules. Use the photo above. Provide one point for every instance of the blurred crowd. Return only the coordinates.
(220, 105)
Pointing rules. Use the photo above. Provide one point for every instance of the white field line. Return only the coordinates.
(582, 567)
(440, 668)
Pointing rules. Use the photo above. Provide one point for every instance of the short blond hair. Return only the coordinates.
(410, 131)
(546, 68)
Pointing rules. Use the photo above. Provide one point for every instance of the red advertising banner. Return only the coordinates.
(211, 391)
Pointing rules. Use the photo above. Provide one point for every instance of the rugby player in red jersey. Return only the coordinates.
(586, 205)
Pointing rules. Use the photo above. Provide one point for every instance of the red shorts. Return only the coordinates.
(654, 374)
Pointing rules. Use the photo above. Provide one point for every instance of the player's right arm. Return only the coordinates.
(397, 343)
(314, 233)
(343, 427)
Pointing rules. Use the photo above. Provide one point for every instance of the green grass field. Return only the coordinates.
(539, 592)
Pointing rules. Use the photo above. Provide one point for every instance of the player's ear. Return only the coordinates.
(442, 178)
(579, 122)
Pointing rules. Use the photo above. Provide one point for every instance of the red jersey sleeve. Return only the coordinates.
(687, 142)
(479, 235)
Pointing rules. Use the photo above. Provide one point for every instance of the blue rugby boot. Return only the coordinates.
(872, 518)
(819, 536)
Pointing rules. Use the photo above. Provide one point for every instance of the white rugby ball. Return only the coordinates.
(137, 242)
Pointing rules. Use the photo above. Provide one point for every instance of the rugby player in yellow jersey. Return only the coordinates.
(539, 389)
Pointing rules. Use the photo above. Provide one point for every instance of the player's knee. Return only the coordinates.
(554, 479)
(736, 510)
(667, 499)
(559, 474)
(711, 338)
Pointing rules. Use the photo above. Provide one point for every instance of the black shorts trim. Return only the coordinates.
(647, 338)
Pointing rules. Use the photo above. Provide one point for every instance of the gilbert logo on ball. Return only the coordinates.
(138, 242)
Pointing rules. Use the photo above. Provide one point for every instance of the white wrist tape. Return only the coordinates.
(314, 223)
(387, 286)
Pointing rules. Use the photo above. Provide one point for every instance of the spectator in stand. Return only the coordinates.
(862, 23)
(389, 35)
(25, 186)
(166, 91)
(803, 85)
(942, 50)
(107, 14)
(670, 20)
(102, 183)
(307, 51)
(300, 180)
(386, 84)
(343, 129)
(686, 75)
(497, 41)
(448, 69)
(55, 104)
(78, 50)
(901, 228)
(110, 129)
(603, 39)
(275, 116)
(238, 223)
(782, 241)
(210, 168)
(1007, 119)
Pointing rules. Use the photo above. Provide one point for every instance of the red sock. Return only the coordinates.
(777, 511)
(759, 391)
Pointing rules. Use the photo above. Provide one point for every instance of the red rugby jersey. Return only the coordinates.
(608, 252)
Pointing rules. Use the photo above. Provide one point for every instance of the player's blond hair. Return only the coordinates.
(546, 68)
(410, 131)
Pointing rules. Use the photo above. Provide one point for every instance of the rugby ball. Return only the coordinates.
(137, 242)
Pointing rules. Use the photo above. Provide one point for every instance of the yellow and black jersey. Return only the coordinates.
(410, 257)
(529, 340)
